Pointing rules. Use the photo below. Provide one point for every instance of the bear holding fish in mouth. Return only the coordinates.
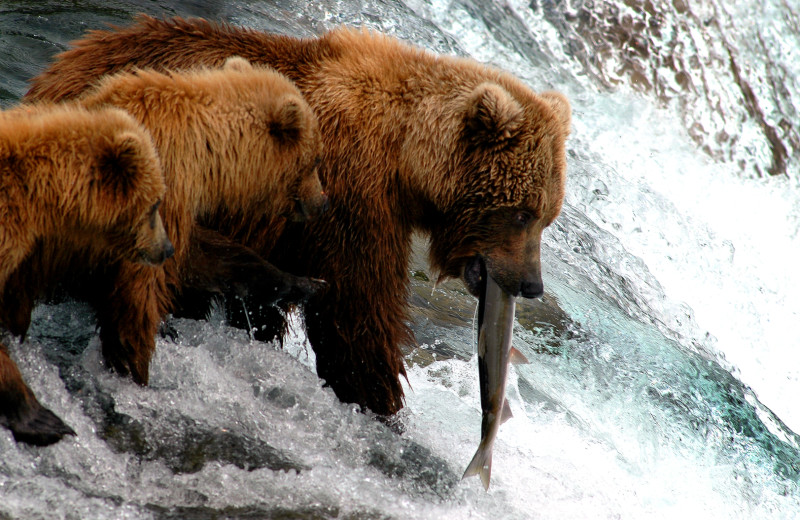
(413, 141)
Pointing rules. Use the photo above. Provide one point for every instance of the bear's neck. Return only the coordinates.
(428, 158)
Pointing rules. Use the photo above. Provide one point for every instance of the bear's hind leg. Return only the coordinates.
(18, 297)
(21, 412)
(265, 322)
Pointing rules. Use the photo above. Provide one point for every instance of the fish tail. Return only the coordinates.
(481, 465)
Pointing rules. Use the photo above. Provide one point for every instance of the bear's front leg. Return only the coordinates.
(129, 312)
(357, 325)
(357, 345)
(21, 412)
(18, 298)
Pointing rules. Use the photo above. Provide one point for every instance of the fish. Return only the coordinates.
(495, 326)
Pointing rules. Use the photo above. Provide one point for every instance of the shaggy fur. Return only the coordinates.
(412, 141)
(88, 182)
(239, 147)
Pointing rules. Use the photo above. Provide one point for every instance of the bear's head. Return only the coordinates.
(286, 139)
(128, 186)
(292, 146)
(296, 130)
(509, 173)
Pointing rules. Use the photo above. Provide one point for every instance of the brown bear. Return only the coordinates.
(413, 141)
(239, 146)
(88, 181)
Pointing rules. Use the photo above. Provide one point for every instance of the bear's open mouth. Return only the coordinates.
(474, 274)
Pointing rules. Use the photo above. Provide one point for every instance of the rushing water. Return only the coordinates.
(665, 357)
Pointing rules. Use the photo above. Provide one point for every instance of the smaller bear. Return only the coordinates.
(239, 148)
(88, 181)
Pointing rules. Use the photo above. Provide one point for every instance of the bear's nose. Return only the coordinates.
(532, 289)
(167, 251)
(326, 203)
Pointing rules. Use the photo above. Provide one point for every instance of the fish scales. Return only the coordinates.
(495, 327)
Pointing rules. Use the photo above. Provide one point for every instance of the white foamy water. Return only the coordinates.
(722, 244)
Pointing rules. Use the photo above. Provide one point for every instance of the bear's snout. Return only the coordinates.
(158, 254)
(530, 286)
(308, 209)
(167, 251)
(531, 289)
(516, 279)
(475, 270)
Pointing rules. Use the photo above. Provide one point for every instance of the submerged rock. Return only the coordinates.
(245, 513)
(401, 458)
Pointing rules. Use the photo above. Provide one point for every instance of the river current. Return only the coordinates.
(664, 356)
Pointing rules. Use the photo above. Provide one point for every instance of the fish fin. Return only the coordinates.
(481, 465)
(516, 357)
(506, 412)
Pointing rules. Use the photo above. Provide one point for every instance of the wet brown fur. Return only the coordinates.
(87, 182)
(412, 140)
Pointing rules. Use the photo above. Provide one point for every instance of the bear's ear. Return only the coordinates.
(289, 121)
(560, 105)
(493, 115)
(119, 162)
(238, 64)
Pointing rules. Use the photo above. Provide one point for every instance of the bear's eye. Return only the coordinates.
(522, 218)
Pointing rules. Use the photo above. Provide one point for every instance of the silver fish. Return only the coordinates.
(495, 325)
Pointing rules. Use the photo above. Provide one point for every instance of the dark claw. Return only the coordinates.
(167, 331)
(39, 427)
